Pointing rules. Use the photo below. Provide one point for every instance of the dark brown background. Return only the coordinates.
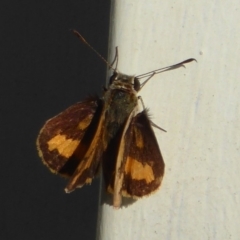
(44, 69)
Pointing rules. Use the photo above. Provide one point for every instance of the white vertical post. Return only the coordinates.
(199, 108)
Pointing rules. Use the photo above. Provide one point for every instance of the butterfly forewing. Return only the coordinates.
(63, 134)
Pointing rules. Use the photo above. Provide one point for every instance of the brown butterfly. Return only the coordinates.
(110, 132)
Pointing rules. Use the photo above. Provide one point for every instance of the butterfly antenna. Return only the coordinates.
(178, 65)
(85, 42)
(149, 75)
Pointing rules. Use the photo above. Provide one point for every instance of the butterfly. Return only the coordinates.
(108, 132)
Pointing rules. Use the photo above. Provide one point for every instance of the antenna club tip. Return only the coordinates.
(190, 60)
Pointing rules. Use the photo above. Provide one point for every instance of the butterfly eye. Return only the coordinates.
(136, 84)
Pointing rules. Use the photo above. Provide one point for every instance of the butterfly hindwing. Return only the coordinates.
(143, 165)
(90, 151)
(133, 166)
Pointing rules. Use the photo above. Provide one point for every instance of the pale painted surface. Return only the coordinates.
(198, 106)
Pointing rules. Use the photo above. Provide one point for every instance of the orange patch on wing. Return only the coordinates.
(138, 138)
(64, 146)
(83, 124)
(139, 171)
(88, 180)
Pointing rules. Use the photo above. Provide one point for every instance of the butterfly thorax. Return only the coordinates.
(119, 101)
